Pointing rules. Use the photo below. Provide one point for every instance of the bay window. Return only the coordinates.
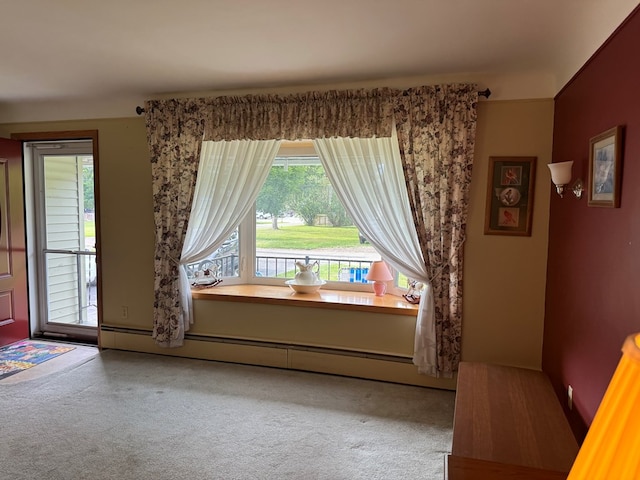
(297, 216)
(399, 161)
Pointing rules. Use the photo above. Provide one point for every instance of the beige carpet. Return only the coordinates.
(121, 415)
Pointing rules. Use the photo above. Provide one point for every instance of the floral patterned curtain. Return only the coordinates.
(174, 135)
(436, 133)
(436, 130)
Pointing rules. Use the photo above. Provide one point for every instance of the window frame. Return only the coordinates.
(247, 261)
(298, 150)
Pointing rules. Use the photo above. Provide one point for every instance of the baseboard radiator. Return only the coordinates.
(319, 359)
(265, 344)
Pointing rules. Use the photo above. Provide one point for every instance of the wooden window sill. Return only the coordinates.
(333, 299)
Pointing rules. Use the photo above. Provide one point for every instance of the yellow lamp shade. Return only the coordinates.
(611, 449)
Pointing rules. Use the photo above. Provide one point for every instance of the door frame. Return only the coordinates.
(91, 135)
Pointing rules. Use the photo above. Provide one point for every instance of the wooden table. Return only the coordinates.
(508, 423)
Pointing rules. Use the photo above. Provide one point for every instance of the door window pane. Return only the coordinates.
(70, 274)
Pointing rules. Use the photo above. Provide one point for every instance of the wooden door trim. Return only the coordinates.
(79, 135)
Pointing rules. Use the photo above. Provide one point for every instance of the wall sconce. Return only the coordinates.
(561, 177)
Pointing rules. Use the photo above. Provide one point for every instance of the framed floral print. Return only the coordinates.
(510, 187)
(605, 169)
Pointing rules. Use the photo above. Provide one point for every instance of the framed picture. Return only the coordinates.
(605, 173)
(509, 209)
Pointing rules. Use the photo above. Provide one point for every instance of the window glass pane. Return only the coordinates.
(224, 262)
(299, 217)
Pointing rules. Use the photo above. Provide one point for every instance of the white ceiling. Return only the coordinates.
(110, 53)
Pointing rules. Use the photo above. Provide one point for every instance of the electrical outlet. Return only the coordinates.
(570, 397)
(124, 312)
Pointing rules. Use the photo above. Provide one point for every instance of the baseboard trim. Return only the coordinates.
(351, 363)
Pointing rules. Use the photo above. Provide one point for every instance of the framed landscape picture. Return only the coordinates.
(509, 209)
(605, 172)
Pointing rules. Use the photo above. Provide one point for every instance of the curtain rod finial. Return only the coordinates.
(139, 110)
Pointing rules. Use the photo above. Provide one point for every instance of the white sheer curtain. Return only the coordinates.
(367, 175)
(230, 175)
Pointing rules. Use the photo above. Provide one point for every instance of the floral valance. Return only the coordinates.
(346, 113)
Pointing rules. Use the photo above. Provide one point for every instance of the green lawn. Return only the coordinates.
(303, 237)
(290, 236)
(89, 229)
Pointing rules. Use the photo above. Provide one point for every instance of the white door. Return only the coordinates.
(64, 215)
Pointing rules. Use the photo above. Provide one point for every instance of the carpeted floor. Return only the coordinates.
(122, 415)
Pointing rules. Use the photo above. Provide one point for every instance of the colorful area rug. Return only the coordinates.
(20, 356)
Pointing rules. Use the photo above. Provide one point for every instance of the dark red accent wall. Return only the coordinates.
(593, 272)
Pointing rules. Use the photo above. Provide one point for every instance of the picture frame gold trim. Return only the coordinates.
(510, 195)
(605, 169)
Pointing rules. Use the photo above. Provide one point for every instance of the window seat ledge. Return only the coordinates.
(332, 299)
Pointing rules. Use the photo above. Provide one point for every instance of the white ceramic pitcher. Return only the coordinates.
(306, 275)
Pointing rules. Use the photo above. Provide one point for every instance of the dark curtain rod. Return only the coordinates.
(483, 93)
